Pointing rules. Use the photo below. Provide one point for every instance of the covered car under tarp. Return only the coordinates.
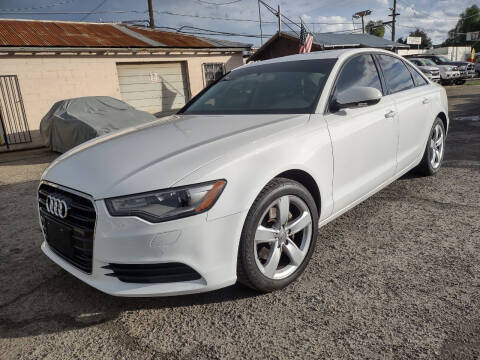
(73, 121)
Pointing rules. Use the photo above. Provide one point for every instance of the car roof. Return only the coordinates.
(316, 55)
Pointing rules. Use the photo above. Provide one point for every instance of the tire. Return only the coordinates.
(256, 266)
(460, 82)
(446, 82)
(430, 166)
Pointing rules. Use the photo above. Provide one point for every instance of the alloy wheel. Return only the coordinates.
(283, 237)
(436, 146)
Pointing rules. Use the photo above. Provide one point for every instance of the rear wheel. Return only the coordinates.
(434, 151)
(460, 81)
(278, 236)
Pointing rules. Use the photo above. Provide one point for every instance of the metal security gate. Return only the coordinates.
(14, 127)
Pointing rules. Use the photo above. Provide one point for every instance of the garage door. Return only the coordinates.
(154, 87)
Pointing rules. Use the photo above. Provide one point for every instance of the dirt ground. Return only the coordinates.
(396, 277)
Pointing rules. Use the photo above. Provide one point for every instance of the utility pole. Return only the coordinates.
(362, 14)
(150, 13)
(260, 19)
(279, 14)
(394, 14)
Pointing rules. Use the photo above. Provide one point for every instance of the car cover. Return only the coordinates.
(73, 121)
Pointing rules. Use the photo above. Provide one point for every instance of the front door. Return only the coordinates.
(364, 139)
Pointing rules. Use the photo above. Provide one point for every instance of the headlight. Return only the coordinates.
(449, 68)
(168, 204)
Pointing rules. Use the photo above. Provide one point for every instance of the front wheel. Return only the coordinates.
(433, 155)
(278, 236)
(460, 81)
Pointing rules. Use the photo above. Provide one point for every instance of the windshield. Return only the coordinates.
(443, 59)
(291, 87)
(428, 62)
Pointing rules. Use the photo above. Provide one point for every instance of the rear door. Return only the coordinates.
(364, 139)
(412, 95)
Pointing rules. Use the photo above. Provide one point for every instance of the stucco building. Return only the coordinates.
(42, 62)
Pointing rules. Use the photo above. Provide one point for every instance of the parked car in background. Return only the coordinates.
(466, 70)
(425, 65)
(236, 186)
(477, 67)
(72, 122)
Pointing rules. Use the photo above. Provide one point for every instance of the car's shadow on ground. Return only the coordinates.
(38, 297)
(63, 303)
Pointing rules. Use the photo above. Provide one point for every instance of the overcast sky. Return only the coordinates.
(434, 17)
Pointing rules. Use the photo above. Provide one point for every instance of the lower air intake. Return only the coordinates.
(152, 273)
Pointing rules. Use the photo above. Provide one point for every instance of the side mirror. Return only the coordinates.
(356, 97)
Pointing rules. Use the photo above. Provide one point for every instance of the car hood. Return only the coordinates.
(159, 154)
(429, 68)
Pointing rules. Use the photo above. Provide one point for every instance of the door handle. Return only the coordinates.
(390, 114)
(426, 101)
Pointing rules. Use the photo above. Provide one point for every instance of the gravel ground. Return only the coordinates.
(396, 277)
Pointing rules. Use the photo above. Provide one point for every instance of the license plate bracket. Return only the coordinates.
(59, 237)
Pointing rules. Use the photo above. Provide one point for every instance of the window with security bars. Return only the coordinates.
(212, 72)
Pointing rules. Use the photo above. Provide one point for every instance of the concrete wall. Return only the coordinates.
(46, 79)
(454, 53)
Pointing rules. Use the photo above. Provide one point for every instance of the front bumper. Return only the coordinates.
(433, 77)
(208, 247)
(449, 75)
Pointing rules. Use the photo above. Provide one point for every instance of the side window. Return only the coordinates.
(359, 71)
(212, 72)
(417, 78)
(397, 76)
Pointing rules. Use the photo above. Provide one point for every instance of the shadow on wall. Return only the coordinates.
(168, 97)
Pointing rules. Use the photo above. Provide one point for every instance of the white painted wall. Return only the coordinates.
(47, 79)
(454, 53)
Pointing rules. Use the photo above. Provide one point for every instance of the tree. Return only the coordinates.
(469, 21)
(401, 40)
(426, 41)
(375, 28)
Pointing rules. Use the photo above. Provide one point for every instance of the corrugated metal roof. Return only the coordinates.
(43, 33)
(225, 43)
(364, 40)
(171, 39)
(40, 33)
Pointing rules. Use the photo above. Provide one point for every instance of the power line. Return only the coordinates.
(201, 31)
(274, 12)
(243, 19)
(218, 4)
(39, 7)
(434, 17)
(96, 8)
(74, 12)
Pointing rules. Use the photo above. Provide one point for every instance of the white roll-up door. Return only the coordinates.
(154, 87)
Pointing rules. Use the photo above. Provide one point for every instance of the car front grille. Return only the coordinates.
(152, 273)
(78, 226)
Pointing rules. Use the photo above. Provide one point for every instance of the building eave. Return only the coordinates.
(13, 50)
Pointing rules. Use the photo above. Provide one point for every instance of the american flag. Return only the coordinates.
(306, 40)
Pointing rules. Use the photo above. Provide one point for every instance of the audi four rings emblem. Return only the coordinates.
(57, 207)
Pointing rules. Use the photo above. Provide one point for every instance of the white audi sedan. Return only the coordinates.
(236, 185)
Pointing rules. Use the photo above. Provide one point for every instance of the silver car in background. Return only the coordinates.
(428, 67)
